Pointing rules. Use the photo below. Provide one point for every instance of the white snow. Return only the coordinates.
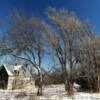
(57, 92)
(17, 67)
(53, 92)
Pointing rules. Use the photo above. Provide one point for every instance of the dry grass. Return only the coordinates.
(98, 90)
(21, 95)
(70, 92)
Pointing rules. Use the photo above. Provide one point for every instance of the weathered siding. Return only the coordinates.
(10, 82)
(19, 82)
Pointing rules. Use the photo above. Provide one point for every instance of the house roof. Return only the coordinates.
(12, 68)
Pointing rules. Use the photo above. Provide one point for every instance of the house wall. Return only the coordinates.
(10, 82)
(19, 82)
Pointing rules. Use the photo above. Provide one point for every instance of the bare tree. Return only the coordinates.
(23, 40)
(90, 53)
(63, 39)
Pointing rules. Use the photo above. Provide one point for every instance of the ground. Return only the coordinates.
(52, 92)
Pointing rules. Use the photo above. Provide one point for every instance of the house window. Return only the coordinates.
(16, 72)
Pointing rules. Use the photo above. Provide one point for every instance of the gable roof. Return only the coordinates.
(12, 68)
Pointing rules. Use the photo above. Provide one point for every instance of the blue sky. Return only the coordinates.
(85, 9)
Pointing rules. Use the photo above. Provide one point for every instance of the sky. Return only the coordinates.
(84, 9)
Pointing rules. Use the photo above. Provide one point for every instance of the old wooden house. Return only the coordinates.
(14, 76)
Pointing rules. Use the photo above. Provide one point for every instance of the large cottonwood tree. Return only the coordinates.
(23, 40)
(63, 38)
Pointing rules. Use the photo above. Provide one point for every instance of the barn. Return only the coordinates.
(14, 76)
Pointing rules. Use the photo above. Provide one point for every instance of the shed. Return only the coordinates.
(14, 76)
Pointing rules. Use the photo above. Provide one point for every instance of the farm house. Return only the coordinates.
(14, 76)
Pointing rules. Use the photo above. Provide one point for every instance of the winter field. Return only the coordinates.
(53, 92)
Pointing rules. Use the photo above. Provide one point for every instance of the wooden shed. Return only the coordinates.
(14, 77)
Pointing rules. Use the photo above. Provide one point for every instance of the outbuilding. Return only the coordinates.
(14, 76)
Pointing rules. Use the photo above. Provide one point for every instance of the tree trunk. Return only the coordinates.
(98, 84)
(39, 92)
(70, 77)
(69, 87)
(67, 81)
(40, 83)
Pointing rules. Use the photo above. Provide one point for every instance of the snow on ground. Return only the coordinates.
(53, 92)
(57, 92)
